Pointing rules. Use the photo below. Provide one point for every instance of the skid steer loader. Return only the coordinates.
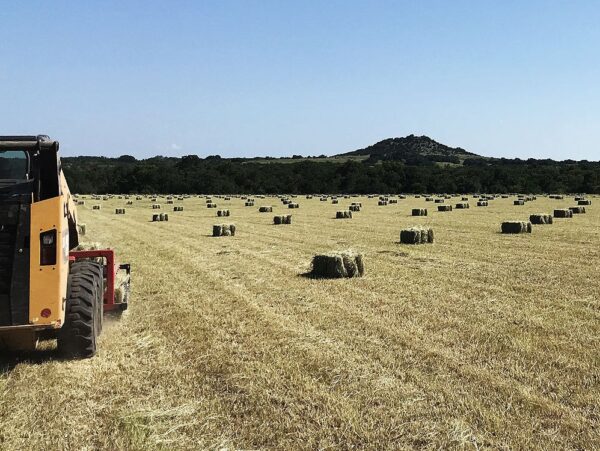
(48, 290)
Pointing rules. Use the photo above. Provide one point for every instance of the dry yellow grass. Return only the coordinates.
(480, 340)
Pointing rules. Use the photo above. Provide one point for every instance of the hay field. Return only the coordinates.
(481, 340)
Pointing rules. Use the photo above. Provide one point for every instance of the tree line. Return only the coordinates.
(215, 175)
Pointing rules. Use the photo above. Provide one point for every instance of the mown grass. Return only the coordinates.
(481, 340)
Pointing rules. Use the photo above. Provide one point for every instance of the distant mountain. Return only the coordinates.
(414, 150)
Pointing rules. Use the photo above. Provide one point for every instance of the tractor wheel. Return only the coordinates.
(77, 337)
(97, 270)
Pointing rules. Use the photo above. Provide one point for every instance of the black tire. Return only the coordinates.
(77, 338)
(98, 271)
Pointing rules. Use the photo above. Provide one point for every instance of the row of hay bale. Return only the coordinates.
(178, 208)
(569, 212)
(119, 211)
(223, 213)
(539, 219)
(387, 197)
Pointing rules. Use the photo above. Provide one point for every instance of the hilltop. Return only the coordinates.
(413, 150)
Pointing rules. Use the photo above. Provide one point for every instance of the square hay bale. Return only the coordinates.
(462, 205)
(439, 201)
(211, 205)
(419, 211)
(540, 218)
(343, 214)
(223, 213)
(444, 207)
(516, 227)
(334, 201)
(429, 199)
(338, 265)
(224, 230)
(293, 205)
(382, 203)
(416, 235)
(519, 202)
(282, 219)
(584, 202)
(178, 208)
(577, 210)
(265, 209)
(119, 211)
(249, 204)
(482, 203)
(160, 217)
(563, 213)
(96, 207)
(354, 208)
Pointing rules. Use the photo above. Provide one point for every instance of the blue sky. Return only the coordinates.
(246, 78)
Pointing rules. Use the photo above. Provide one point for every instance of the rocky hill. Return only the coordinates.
(413, 150)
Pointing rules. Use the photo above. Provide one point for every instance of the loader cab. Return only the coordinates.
(30, 163)
(34, 224)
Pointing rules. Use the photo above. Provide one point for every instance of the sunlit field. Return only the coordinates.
(479, 340)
